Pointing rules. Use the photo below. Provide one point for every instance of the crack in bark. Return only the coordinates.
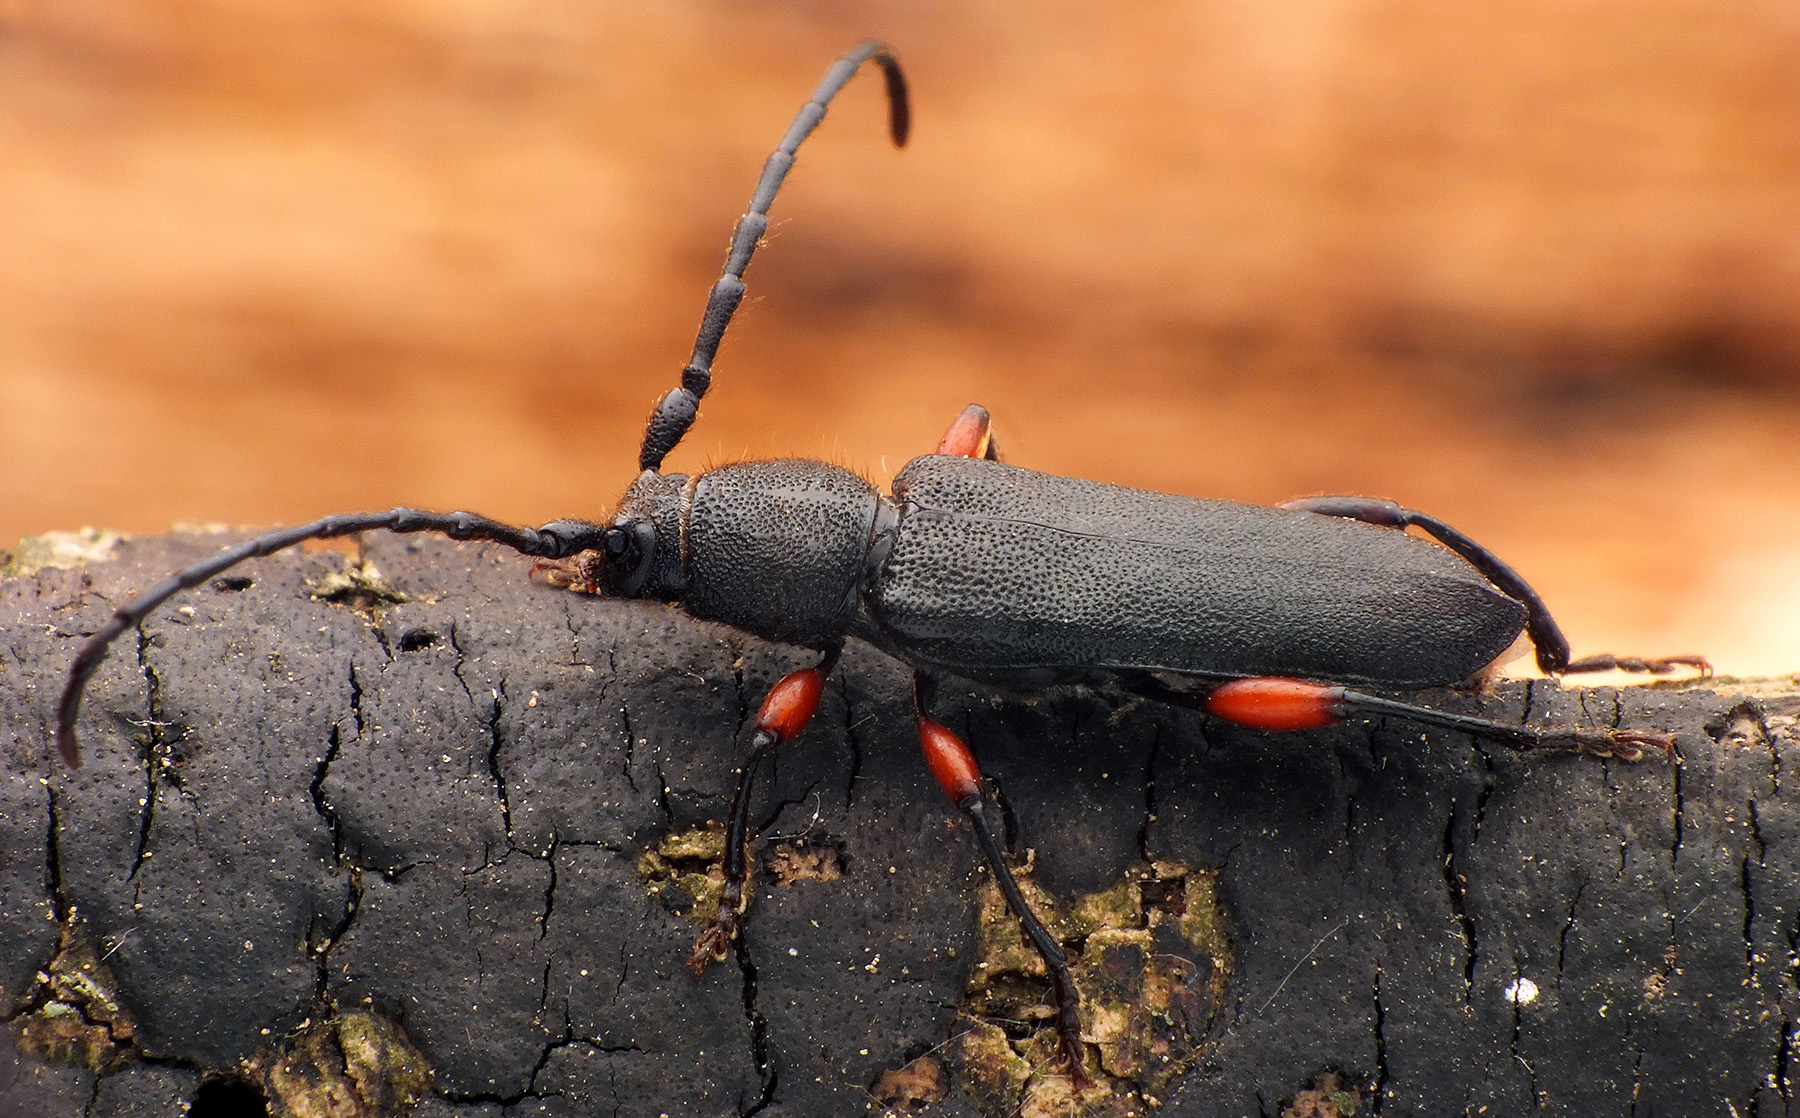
(1768, 737)
(1150, 764)
(335, 934)
(1489, 780)
(854, 741)
(53, 879)
(759, 1028)
(531, 1092)
(1453, 886)
(1518, 1029)
(781, 804)
(321, 805)
(1749, 919)
(737, 680)
(630, 750)
(497, 742)
(662, 792)
(549, 858)
(1562, 938)
(148, 750)
(1784, 1059)
(1679, 807)
(1381, 1064)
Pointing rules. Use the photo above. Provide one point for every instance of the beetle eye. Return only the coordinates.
(630, 549)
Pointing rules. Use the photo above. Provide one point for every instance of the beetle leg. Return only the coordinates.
(786, 710)
(1274, 703)
(957, 774)
(1656, 665)
(1546, 636)
(971, 436)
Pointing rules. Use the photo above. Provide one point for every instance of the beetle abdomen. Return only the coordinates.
(996, 569)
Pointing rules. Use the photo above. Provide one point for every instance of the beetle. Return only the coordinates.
(1270, 618)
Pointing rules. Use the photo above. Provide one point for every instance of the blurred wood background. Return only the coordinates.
(1533, 266)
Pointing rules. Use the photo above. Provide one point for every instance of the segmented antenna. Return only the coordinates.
(556, 540)
(674, 413)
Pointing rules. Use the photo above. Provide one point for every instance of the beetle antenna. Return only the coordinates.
(556, 540)
(675, 412)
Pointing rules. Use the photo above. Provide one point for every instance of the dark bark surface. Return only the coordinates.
(438, 811)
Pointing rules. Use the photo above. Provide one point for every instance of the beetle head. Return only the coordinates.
(641, 549)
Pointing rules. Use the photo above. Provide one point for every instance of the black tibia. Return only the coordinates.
(1056, 963)
(555, 540)
(675, 412)
(717, 936)
(1068, 999)
(1546, 636)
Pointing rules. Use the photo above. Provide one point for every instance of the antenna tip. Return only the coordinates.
(899, 100)
(67, 746)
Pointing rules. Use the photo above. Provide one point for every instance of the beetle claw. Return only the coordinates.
(1624, 745)
(713, 942)
(1629, 745)
(1075, 1052)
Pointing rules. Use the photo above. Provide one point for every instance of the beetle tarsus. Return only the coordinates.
(1623, 745)
(712, 944)
(1068, 1027)
(1653, 665)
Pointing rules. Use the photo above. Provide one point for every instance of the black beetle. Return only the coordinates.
(990, 572)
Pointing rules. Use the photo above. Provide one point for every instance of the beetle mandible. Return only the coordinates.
(1266, 617)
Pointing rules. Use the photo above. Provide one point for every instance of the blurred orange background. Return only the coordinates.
(1533, 266)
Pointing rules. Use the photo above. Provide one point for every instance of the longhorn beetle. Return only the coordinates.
(989, 572)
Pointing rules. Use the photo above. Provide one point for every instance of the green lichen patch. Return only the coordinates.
(358, 585)
(1151, 958)
(686, 872)
(803, 860)
(1329, 1095)
(914, 1087)
(60, 550)
(354, 1065)
(78, 1016)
